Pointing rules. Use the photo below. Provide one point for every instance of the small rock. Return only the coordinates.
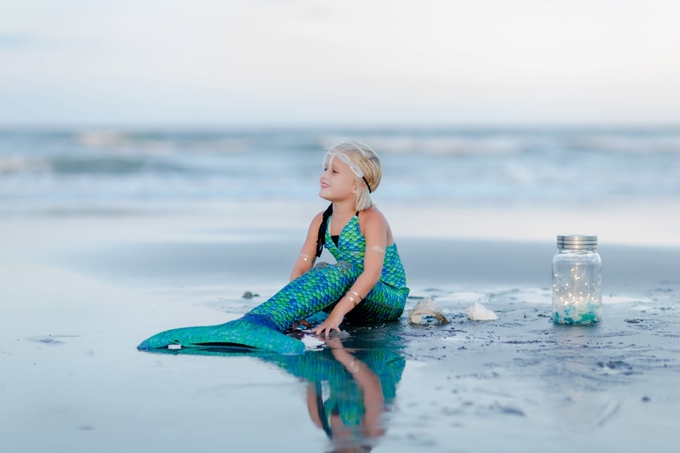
(247, 295)
(511, 411)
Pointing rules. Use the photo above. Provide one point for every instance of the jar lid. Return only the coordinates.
(577, 242)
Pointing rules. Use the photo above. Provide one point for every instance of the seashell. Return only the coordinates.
(478, 312)
(426, 307)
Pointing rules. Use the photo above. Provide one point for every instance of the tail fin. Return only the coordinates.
(241, 332)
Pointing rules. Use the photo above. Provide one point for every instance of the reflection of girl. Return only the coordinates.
(347, 390)
(349, 427)
(367, 284)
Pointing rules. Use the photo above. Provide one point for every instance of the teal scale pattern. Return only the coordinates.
(387, 299)
(318, 289)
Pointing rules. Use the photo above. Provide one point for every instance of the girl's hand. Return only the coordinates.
(331, 323)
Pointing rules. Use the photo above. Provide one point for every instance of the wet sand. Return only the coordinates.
(79, 293)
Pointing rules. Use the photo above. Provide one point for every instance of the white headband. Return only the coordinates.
(354, 167)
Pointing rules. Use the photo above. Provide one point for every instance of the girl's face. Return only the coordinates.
(337, 181)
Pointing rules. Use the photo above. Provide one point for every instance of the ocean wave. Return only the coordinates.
(390, 141)
(491, 144)
(149, 142)
(111, 168)
(110, 165)
(70, 165)
(19, 164)
(622, 143)
(455, 145)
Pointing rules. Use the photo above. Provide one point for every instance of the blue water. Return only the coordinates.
(44, 171)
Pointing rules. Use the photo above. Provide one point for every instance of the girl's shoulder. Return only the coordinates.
(372, 221)
(372, 216)
(317, 218)
(316, 223)
(371, 213)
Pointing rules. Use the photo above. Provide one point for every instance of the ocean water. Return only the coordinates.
(108, 170)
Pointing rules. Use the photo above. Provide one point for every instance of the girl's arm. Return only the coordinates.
(312, 405)
(375, 232)
(369, 382)
(307, 256)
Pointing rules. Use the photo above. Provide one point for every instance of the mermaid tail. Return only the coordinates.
(243, 332)
(263, 327)
(320, 287)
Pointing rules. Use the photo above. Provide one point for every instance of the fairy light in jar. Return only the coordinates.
(577, 281)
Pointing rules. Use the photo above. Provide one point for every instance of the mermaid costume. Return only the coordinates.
(318, 289)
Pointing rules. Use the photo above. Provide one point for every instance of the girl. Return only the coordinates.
(366, 285)
(356, 233)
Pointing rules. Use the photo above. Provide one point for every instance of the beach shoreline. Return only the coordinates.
(80, 292)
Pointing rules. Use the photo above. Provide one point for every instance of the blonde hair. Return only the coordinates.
(364, 163)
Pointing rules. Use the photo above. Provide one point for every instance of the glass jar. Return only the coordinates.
(577, 281)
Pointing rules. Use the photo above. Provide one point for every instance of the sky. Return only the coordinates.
(313, 62)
